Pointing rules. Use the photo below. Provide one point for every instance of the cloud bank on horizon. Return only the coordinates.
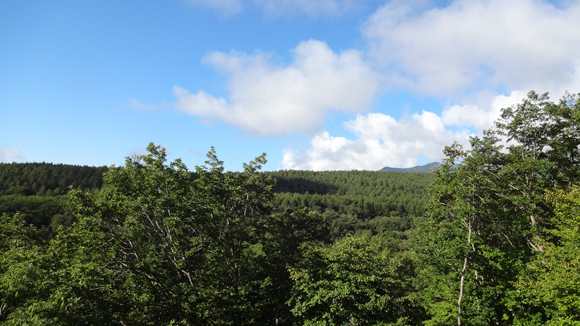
(9, 154)
(477, 56)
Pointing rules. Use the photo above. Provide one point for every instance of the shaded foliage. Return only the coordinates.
(38, 191)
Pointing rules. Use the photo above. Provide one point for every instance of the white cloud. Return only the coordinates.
(311, 8)
(273, 100)
(465, 53)
(471, 115)
(381, 141)
(474, 45)
(9, 154)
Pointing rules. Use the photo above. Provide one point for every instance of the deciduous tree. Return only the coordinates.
(488, 215)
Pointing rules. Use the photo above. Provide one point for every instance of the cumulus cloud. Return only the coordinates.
(380, 141)
(465, 53)
(9, 154)
(279, 7)
(273, 100)
(471, 115)
(477, 47)
(473, 45)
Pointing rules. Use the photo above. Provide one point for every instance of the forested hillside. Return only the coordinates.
(351, 201)
(37, 191)
(47, 179)
(385, 203)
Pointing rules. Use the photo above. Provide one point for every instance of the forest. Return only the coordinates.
(489, 238)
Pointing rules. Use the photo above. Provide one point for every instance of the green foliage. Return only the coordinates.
(353, 202)
(280, 242)
(47, 179)
(47, 212)
(64, 282)
(159, 246)
(552, 285)
(353, 282)
(462, 245)
(363, 194)
(183, 246)
(385, 203)
(488, 215)
(38, 191)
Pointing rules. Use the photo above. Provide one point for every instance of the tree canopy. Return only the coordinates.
(489, 218)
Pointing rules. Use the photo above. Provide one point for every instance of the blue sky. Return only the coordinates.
(317, 85)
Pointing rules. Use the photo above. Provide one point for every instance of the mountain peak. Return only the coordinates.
(419, 168)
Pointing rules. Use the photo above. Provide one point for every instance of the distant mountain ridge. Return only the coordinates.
(419, 168)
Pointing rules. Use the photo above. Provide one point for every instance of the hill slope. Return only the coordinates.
(351, 201)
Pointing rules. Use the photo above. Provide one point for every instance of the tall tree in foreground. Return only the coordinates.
(488, 215)
(159, 245)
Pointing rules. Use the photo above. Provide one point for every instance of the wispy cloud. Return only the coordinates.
(280, 7)
(147, 107)
(308, 7)
(273, 100)
(10, 154)
(195, 152)
(224, 7)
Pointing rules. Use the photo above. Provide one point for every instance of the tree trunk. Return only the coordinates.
(462, 279)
